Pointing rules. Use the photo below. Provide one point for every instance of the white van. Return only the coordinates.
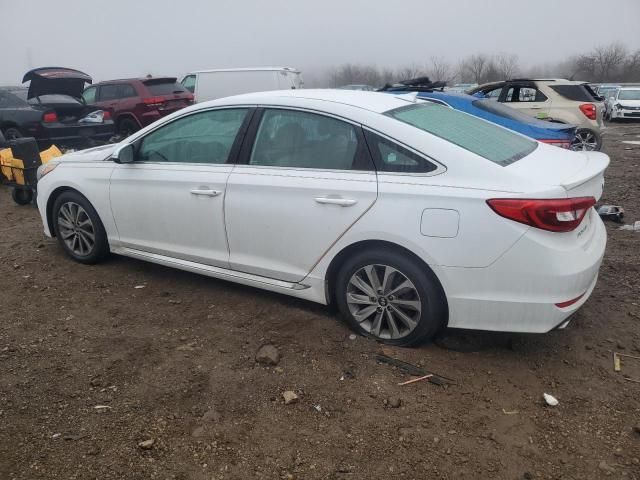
(211, 84)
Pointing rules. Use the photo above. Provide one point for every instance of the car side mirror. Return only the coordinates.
(123, 154)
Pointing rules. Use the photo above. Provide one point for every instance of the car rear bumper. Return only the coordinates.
(519, 292)
(76, 136)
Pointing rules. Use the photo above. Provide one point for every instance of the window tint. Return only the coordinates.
(493, 94)
(391, 157)
(577, 93)
(288, 138)
(127, 91)
(524, 94)
(466, 131)
(89, 95)
(109, 92)
(164, 88)
(189, 82)
(205, 137)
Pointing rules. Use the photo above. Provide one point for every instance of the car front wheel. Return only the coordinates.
(79, 229)
(388, 296)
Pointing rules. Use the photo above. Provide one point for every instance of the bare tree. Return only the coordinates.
(602, 63)
(476, 66)
(440, 70)
(506, 65)
(410, 71)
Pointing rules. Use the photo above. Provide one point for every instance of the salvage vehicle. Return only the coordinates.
(52, 111)
(408, 215)
(558, 134)
(218, 83)
(556, 100)
(138, 102)
(625, 103)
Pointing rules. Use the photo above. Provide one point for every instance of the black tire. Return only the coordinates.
(22, 196)
(12, 133)
(126, 127)
(100, 247)
(427, 293)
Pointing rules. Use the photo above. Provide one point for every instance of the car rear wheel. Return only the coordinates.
(586, 140)
(387, 296)
(12, 133)
(127, 127)
(22, 196)
(79, 229)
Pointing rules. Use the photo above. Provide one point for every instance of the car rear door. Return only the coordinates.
(170, 200)
(304, 179)
(527, 98)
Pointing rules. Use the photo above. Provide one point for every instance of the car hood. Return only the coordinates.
(96, 154)
(629, 103)
(55, 80)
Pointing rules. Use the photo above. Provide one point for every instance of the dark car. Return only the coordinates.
(52, 110)
(137, 102)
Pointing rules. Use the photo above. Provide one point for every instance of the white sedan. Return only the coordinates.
(408, 215)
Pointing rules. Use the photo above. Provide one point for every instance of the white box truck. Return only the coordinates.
(211, 84)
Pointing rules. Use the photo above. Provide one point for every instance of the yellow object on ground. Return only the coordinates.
(18, 171)
(6, 162)
(49, 154)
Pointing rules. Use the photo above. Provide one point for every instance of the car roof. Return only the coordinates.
(141, 79)
(630, 88)
(247, 69)
(376, 102)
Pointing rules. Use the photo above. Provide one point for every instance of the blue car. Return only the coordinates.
(558, 134)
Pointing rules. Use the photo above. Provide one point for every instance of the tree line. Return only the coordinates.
(607, 63)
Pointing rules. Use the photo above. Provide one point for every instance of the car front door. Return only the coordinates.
(170, 200)
(299, 186)
(526, 98)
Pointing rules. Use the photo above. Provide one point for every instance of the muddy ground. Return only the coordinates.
(173, 363)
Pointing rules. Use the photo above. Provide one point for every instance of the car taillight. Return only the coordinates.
(554, 215)
(558, 143)
(589, 110)
(106, 115)
(153, 101)
(50, 117)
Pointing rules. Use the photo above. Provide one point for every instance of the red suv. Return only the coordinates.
(137, 102)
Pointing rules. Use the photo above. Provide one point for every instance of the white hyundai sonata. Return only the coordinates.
(408, 215)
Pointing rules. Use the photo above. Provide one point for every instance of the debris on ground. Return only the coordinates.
(509, 412)
(635, 227)
(289, 397)
(414, 370)
(614, 213)
(414, 380)
(268, 355)
(550, 399)
(147, 444)
(393, 402)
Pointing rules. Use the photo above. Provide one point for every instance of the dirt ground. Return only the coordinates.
(173, 363)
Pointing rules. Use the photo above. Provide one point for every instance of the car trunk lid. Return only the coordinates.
(166, 94)
(55, 81)
(578, 173)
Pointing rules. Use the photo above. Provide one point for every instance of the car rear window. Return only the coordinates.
(165, 88)
(485, 139)
(579, 93)
(54, 98)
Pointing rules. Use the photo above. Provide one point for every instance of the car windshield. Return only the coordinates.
(165, 88)
(483, 138)
(629, 94)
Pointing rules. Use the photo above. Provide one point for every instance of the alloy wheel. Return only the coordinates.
(76, 228)
(584, 140)
(384, 301)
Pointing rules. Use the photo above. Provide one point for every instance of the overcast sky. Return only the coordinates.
(121, 38)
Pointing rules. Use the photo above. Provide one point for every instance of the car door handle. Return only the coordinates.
(206, 193)
(343, 202)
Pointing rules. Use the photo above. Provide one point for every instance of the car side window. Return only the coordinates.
(89, 95)
(524, 94)
(189, 82)
(127, 91)
(290, 138)
(109, 92)
(388, 156)
(493, 94)
(204, 137)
